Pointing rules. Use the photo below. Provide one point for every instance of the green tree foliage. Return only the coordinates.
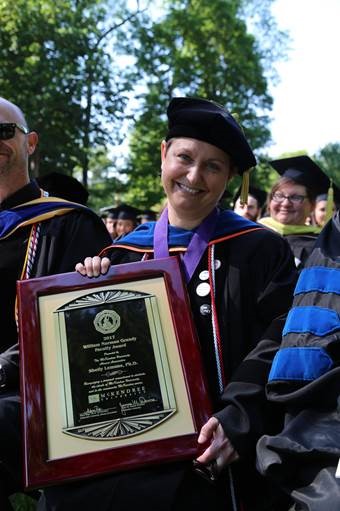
(199, 48)
(106, 187)
(62, 63)
(329, 160)
(271, 42)
(144, 164)
(54, 64)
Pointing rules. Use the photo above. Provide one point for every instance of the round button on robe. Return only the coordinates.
(203, 289)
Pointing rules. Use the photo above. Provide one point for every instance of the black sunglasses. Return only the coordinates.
(7, 130)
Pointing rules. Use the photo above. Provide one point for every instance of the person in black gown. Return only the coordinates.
(37, 237)
(239, 277)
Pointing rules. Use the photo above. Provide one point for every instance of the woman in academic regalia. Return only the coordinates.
(291, 202)
(239, 277)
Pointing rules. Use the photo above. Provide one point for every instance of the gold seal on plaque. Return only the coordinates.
(107, 322)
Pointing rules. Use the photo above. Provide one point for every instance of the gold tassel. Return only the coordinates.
(237, 119)
(246, 175)
(245, 187)
(330, 202)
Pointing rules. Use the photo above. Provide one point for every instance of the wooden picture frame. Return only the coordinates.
(111, 372)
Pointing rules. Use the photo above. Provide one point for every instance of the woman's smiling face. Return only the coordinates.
(288, 212)
(194, 176)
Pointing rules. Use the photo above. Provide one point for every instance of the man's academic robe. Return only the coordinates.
(64, 241)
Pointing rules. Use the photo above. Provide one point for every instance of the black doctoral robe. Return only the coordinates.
(64, 241)
(254, 283)
(300, 238)
(301, 245)
(305, 380)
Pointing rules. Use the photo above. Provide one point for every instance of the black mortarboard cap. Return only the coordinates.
(64, 186)
(126, 212)
(303, 171)
(212, 123)
(112, 213)
(257, 193)
(324, 196)
(148, 214)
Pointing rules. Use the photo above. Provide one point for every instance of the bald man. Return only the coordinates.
(68, 233)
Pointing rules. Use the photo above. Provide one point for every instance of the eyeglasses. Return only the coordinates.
(295, 199)
(7, 130)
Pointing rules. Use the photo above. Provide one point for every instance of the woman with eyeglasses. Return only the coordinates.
(291, 202)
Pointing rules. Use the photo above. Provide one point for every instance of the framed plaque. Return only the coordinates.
(111, 372)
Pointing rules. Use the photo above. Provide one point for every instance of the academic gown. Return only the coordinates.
(255, 277)
(301, 245)
(300, 238)
(64, 241)
(305, 379)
